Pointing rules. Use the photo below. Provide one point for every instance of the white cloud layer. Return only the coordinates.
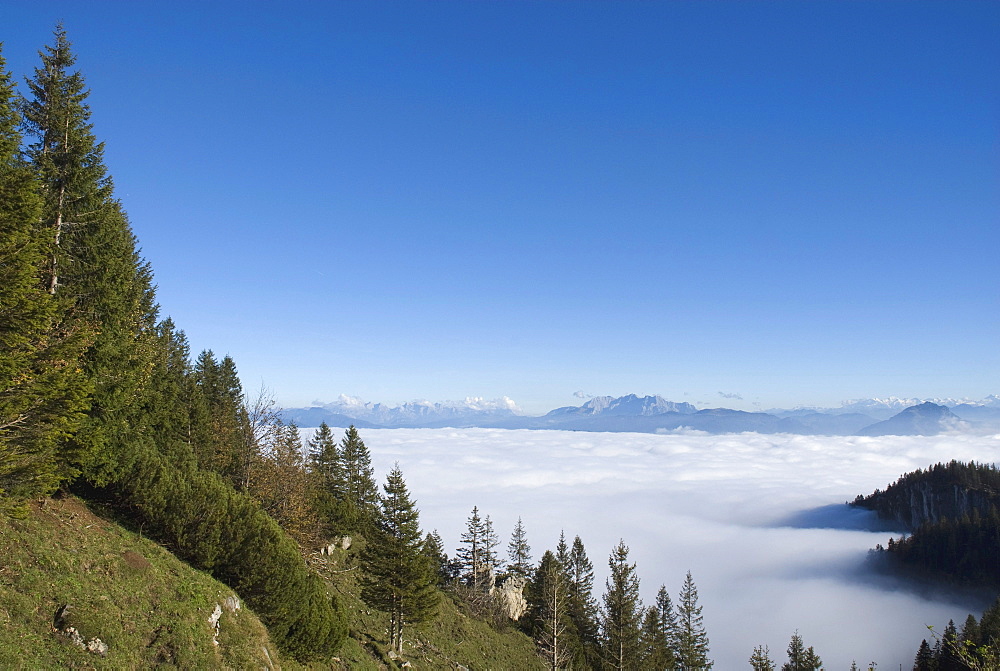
(721, 506)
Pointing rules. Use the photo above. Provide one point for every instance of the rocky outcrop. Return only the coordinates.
(62, 624)
(510, 594)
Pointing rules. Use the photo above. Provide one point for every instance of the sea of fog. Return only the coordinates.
(757, 519)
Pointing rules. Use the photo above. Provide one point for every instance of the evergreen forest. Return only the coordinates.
(102, 399)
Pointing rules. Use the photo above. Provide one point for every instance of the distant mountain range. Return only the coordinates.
(653, 414)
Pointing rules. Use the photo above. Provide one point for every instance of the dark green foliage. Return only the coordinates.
(91, 264)
(519, 552)
(582, 605)
(360, 495)
(547, 620)
(399, 578)
(655, 652)
(223, 447)
(434, 550)
(217, 529)
(948, 658)
(621, 613)
(954, 509)
(801, 658)
(692, 640)
(924, 660)
(659, 633)
(325, 461)
(43, 391)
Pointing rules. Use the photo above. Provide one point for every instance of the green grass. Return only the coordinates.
(452, 639)
(150, 608)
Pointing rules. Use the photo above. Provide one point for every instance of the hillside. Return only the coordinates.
(151, 609)
(456, 638)
(147, 606)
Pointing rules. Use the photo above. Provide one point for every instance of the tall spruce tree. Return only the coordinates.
(801, 658)
(92, 264)
(519, 552)
(621, 613)
(692, 640)
(399, 578)
(583, 607)
(471, 557)
(655, 652)
(548, 620)
(325, 461)
(434, 549)
(42, 389)
(360, 490)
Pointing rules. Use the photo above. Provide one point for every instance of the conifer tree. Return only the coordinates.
(360, 491)
(325, 460)
(692, 640)
(491, 541)
(42, 390)
(434, 549)
(761, 660)
(519, 552)
(548, 618)
(562, 549)
(801, 658)
(621, 612)
(167, 408)
(92, 263)
(924, 660)
(655, 652)
(223, 398)
(583, 606)
(398, 578)
(471, 556)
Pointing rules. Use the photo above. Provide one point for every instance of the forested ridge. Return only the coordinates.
(951, 513)
(101, 397)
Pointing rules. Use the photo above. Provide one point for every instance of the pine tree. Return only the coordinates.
(621, 613)
(548, 613)
(948, 658)
(92, 264)
(583, 607)
(42, 389)
(655, 648)
(801, 658)
(692, 640)
(471, 556)
(325, 460)
(562, 549)
(761, 660)
(491, 541)
(924, 660)
(434, 550)
(519, 552)
(398, 578)
(360, 491)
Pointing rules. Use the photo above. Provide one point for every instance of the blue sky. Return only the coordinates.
(796, 203)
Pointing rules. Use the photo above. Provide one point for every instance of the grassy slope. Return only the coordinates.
(147, 605)
(152, 609)
(450, 640)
